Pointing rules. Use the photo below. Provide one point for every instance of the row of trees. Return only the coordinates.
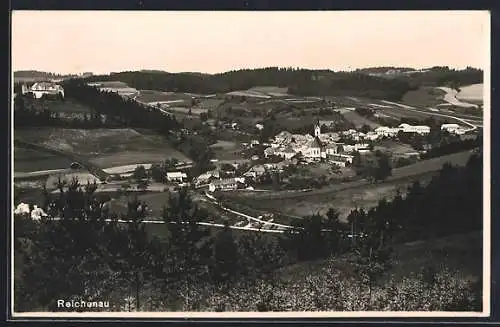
(127, 112)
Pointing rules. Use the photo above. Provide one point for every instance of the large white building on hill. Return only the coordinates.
(40, 89)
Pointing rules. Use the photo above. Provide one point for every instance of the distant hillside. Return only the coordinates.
(298, 81)
(432, 76)
(384, 70)
(35, 75)
(303, 82)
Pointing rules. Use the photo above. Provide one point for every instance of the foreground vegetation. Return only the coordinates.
(83, 256)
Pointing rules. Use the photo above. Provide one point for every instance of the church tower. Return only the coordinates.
(317, 129)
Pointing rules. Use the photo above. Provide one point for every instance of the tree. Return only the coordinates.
(225, 254)
(140, 173)
(383, 169)
(306, 240)
(189, 249)
(67, 258)
(157, 173)
(365, 128)
(138, 259)
(143, 185)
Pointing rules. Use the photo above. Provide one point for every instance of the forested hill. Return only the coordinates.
(35, 74)
(299, 81)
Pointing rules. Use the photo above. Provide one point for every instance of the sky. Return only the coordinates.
(213, 42)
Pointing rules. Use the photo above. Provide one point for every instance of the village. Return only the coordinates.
(335, 150)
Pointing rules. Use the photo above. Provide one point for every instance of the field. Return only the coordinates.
(451, 98)
(67, 106)
(399, 113)
(471, 93)
(28, 160)
(82, 175)
(104, 147)
(227, 150)
(358, 120)
(186, 111)
(396, 148)
(424, 97)
(148, 96)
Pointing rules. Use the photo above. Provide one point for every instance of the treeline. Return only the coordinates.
(444, 76)
(123, 111)
(453, 147)
(37, 74)
(299, 81)
(82, 256)
(426, 212)
(29, 112)
(352, 84)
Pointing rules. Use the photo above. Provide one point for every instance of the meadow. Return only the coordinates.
(104, 147)
(30, 160)
(424, 97)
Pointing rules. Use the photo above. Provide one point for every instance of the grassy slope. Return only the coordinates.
(424, 97)
(458, 252)
(104, 147)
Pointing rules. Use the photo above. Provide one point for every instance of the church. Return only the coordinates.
(288, 145)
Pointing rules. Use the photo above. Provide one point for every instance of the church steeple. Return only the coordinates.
(317, 129)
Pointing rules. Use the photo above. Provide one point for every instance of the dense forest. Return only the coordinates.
(194, 269)
(299, 81)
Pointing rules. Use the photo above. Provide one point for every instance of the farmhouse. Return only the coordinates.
(176, 176)
(255, 171)
(226, 184)
(360, 147)
(205, 177)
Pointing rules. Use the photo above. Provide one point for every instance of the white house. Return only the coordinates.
(205, 177)
(340, 160)
(361, 147)
(453, 128)
(268, 152)
(254, 143)
(334, 148)
(176, 176)
(371, 136)
(419, 129)
(259, 126)
(40, 89)
(255, 171)
(226, 184)
(386, 131)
